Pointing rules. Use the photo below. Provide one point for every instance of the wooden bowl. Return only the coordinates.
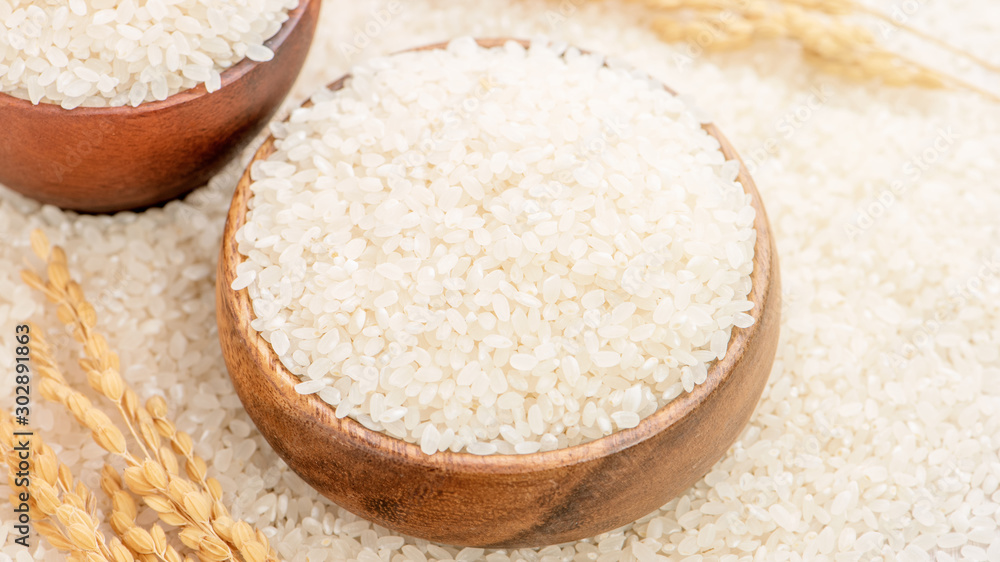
(502, 501)
(110, 159)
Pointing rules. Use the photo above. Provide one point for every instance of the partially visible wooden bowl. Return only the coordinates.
(502, 500)
(102, 160)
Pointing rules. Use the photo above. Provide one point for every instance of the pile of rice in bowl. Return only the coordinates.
(110, 53)
(497, 250)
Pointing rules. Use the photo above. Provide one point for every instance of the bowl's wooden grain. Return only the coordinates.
(112, 159)
(502, 500)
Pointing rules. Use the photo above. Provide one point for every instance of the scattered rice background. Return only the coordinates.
(877, 437)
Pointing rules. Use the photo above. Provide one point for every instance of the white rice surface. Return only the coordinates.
(548, 263)
(100, 53)
(877, 437)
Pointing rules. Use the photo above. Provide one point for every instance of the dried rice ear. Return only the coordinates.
(827, 30)
(192, 503)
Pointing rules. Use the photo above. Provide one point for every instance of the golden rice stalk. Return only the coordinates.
(195, 505)
(181, 443)
(824, 29)
(852, 7)
(53, 386)
(175, 499)
(143, 543)
(62, 511)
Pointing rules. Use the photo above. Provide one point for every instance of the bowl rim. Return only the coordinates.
(228, 76)
(395, 450)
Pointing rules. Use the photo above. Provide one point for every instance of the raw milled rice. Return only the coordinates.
(550, 263)
(99, 53)
(877, 436)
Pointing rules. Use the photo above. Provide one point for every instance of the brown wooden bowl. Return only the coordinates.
(502, 500)
(102, 160)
